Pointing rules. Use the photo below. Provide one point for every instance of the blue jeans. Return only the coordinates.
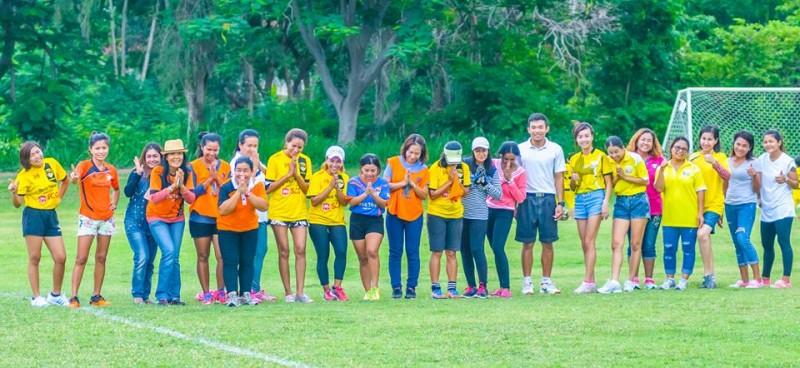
(396, 231)
(687, 236)
(473, 255)
(261, 253)
(498, 227)
(321, 236)
(649, 238)
(783, 230)
(144, 249)
(168, 237)
(740, 222)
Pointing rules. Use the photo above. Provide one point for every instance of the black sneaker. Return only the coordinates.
(163, 303)
(177, 302)
(397, 293)
(411, 293)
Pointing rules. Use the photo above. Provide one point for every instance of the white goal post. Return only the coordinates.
(734, 109)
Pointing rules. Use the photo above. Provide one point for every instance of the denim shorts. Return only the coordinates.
(444, 233)
(710, 219)
(361, 225)
(632, 207)
(535, 214)
(202, 229)
(38, 222)
(589, 204)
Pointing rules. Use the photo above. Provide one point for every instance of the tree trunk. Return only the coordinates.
(13, 87)
(149, 44)
(122, 36)
(113, 38)
(248, 69)
(348, 120)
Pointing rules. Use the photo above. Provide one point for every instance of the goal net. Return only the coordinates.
(734, 109)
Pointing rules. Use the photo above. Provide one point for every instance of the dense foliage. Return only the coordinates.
(357, 72)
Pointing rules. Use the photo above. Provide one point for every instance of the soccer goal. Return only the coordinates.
(734, 109)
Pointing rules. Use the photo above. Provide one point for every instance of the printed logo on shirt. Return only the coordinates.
(49, 172)
(326, 207)
(285, 192)
(686, 173)
(628, 170)
(340, 181)
(460, 172)
(301, 164)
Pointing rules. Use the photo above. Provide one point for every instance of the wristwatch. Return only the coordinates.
(562, 204)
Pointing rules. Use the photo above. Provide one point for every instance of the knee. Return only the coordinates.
(528, 247)
(81, 261)
(363, 260)
(451, 255)
(283, 253)
(299, 252)
(547, 248)
(34, 260)
(100, 258)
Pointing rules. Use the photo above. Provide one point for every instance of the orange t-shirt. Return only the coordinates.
(172, 206)
(244, 217)
(206, 203)
(404, 203)
(95, 189)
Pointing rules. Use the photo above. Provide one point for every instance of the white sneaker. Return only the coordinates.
(668, 284)
(548, 288)
(586, 288)
(233, 299)
(527, 288)
(682, 284)
(629, 286)
(61, 300)
(303, 299)
(39, 302)
(289, 298)
(610, 287)
(739, 284)
(247, 299)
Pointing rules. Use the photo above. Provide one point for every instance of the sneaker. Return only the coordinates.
(199, 297)
(148, 301)
(586, 288)
(138, 301)
(74, 302)
(502, 293)
(548, 288)
(780, 284)
(397, 293)
(177, 302)
(765, 281)
(376, 293)
(262, 296)
(303, 299)
(709, 282)
(610, 287)
(454, 294)
(527, 288)
(437, 294)
(329, 296)
(163, 303)
(208, 299)
(233, 299)
(99, 301)
(411, 293)
(753, 284)
(649, 284)
(339, 293)
(470, 292)
(629, 286)
(288, 298)
(481, 293)
(60, 300)
(247, 299)
(739, 284)
(221, 297)
(636, 284)
(669, 283)
(39, 302)
(683, 284)
(367, 296)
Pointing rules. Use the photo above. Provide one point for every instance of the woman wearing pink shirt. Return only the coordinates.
(511, 180)
(645, 144)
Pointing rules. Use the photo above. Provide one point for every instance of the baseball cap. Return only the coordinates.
(480, 142)
(335, 151)
(452, 152)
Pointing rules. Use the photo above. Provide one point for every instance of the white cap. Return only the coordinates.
(480, 142)
(452, 152)
(335, 151)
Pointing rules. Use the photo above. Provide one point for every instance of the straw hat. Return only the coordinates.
(172, 146)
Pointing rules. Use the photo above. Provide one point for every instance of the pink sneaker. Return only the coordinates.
(650, 284)
(636, 284)
(263, 296)
(502, 293)
(339, 293)
(207, 299)
(753, 284)
(780, 284)
(199, 296)
(739, 284)
(329, 296)
(221, 297)
(765, 281)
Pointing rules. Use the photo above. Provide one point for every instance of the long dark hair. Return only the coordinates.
(714, 132)
(142, 158)
(247, 133)
(25, 153)
(203, 138)
(487, 164)
(747, 136)
(777, 135)
(184, 166)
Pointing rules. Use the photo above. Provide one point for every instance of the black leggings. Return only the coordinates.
(238, 252)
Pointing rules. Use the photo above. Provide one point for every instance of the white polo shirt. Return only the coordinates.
(541, 164)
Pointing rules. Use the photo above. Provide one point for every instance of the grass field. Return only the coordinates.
(721, 327)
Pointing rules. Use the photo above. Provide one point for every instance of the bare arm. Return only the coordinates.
(230, 204)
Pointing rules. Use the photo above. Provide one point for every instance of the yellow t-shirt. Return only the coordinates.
(680, 194)
(715, 194)
(796, 192)
(592, 168)
(287, 203)
(569, 195)
(330, 212)
(39, 185)
(448, 205)
(632, 165)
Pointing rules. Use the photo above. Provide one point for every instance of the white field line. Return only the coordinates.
(178, 335)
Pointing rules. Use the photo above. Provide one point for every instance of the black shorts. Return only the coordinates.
(361, 225)
(535, 215)
(444, 233)
(40, 222)
(202, 229)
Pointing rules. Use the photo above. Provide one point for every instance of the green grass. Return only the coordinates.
(722, 327)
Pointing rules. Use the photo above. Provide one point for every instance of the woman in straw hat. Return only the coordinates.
(170, 185)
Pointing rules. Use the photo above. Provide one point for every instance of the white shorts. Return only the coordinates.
(87, 226)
